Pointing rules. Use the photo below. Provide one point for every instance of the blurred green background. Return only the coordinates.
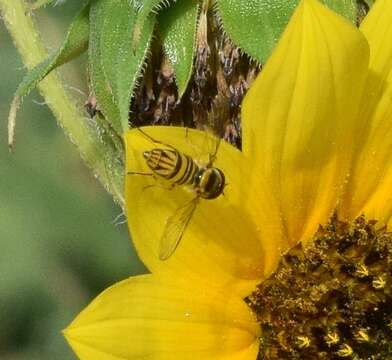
(59, 245)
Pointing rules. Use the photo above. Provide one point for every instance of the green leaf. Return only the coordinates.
(75, 43)
(178, 25)
(100, 84)
(144, 9)
(256, 25)
(346, 8)
(42, 3)
(115, 64)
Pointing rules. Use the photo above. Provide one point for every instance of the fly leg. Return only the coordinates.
(140, 173)
(170, 187)
(155, 141)
(148, 174)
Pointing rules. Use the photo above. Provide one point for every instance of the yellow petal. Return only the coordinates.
(221, 246)
(370, 189)
(379, 205)
(299, 118)
(87, 352)
(250, 353)
(141, 318)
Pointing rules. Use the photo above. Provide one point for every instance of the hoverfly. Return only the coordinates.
(179, 169)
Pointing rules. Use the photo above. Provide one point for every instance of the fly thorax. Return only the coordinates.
(331, 299)
(209, 182)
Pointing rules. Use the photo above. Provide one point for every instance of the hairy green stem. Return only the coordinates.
(95, 150)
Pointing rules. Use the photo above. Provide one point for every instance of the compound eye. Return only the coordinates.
(212, 183)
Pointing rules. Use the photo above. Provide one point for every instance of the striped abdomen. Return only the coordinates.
(172, 165)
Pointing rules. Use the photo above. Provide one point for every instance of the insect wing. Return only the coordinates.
(205, 150)
(175, 227)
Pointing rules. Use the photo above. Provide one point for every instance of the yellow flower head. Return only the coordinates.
(317, 139)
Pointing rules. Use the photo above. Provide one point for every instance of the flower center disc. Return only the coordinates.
(331, 299)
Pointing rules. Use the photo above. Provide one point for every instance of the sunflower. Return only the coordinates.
(312, 181)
